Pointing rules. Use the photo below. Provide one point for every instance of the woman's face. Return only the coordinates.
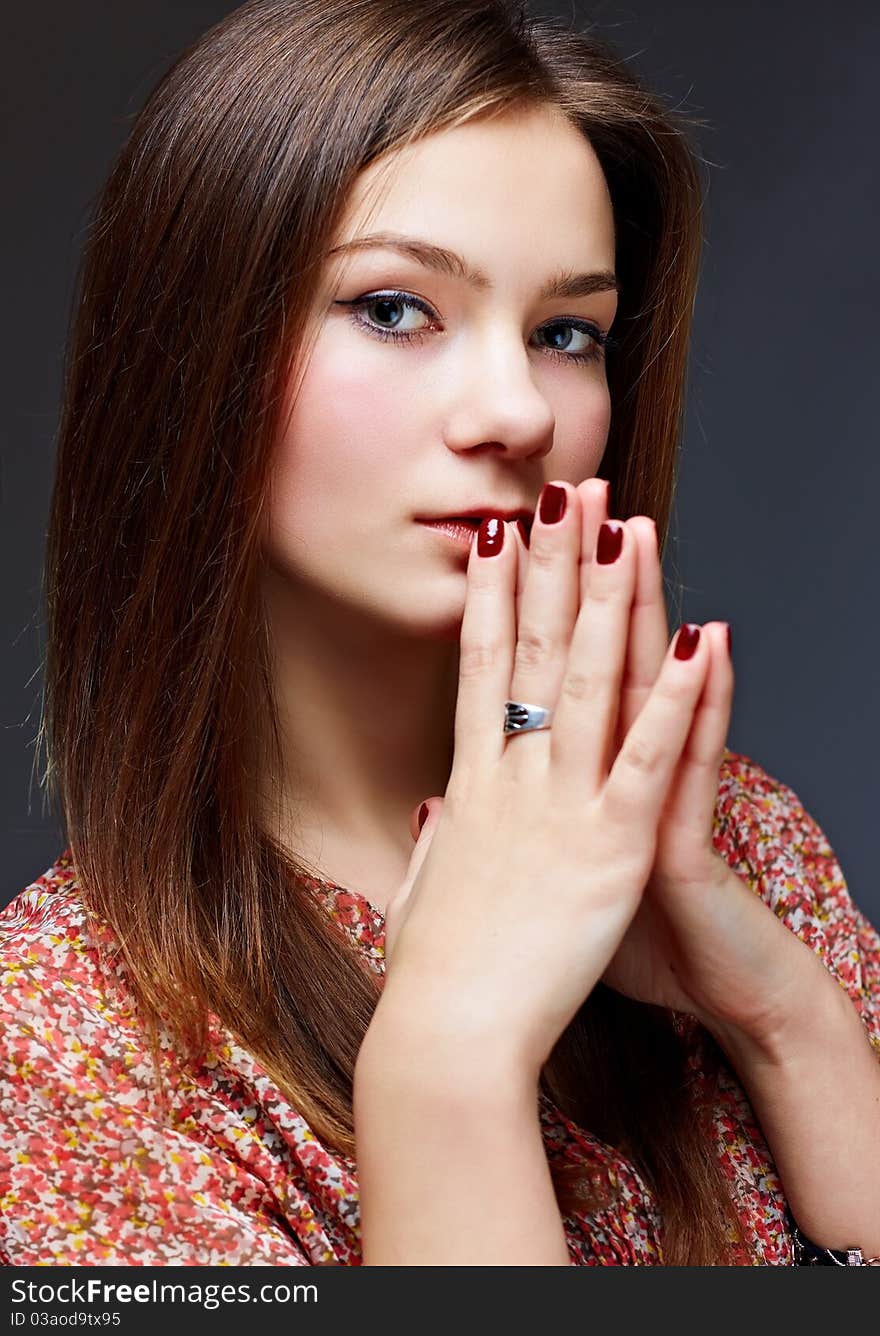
(469, 387)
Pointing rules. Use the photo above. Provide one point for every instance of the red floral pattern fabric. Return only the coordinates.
(92, 1174)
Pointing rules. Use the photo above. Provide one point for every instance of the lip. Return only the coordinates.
(474, 514)
(478, 512)
(462, 531)
(457, 530)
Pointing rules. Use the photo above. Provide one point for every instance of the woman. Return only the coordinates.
(355, 270)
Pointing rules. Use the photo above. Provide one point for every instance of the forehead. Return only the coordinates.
(525, 179)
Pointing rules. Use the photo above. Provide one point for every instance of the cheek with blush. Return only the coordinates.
(582, 437)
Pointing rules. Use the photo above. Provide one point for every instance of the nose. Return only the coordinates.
(496, 403)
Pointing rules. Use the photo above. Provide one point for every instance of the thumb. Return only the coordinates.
(419, 816)
(423, 822)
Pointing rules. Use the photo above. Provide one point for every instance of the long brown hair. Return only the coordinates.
(200, 269)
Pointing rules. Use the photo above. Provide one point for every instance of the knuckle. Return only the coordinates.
(484, 583)
(477, 658)
(544, 557)
(673, 694)
(600, 590)
(579, 687)
(641, 756)
(619, 810)
(532, 650)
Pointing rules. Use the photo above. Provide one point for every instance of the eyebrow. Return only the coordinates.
(563, 284)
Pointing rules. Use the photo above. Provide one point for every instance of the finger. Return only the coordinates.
(549, 605)
(522, 566)
(394, 909)
(486, 648)
(690, 807)
(648, 626)
(419, 815)
(642, 773)
(589, 697)
(594, 510)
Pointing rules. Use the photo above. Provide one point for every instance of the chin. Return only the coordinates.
(438, 624)
(450, 633)
(440, 629)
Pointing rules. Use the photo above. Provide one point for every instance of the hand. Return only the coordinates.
(702, 941)
(520, 890)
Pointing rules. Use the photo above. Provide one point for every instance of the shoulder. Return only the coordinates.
(68, 1021)
(765, 833)
(50, 957)
(97, 1167)
(50, 893)
(763, 824)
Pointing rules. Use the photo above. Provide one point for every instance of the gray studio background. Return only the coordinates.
(776, 517)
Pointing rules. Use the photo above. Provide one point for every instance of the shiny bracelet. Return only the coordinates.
(807, 1253)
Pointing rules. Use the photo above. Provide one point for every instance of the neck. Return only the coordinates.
(366, 713)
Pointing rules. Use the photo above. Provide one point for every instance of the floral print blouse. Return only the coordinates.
(90, 1174)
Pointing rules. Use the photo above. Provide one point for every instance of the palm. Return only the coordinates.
(646, 965)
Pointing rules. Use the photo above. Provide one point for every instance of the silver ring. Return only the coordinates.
(520, 717)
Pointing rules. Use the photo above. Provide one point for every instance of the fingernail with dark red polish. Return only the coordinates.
(610, 543)
(688, 639)
(729, 640)
(490, 536)
(523, 531)
(423, 814)
(552, 504)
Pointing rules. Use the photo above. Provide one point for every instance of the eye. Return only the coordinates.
(592, 348)
(383, 315)
(387, 322)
